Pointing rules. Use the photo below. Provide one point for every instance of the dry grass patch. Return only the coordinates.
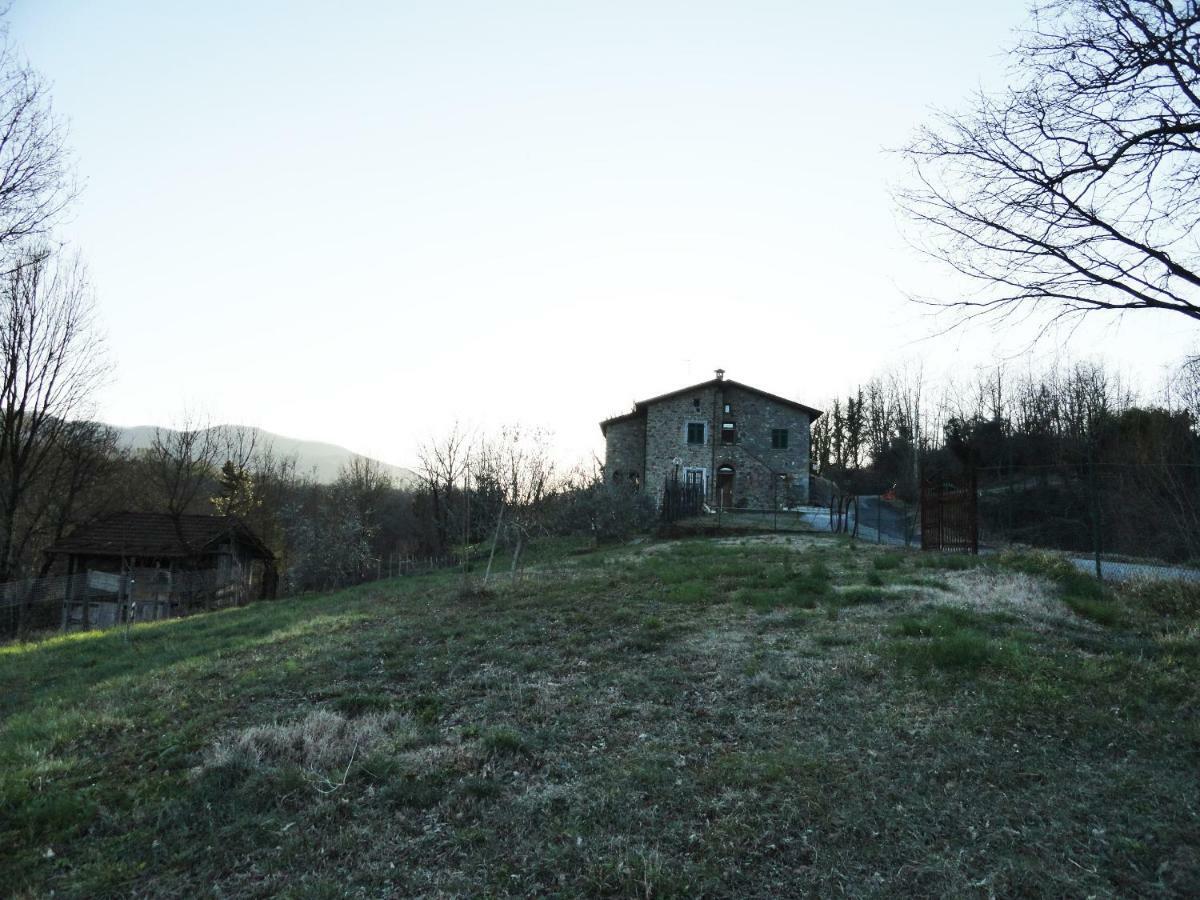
(320, 742)
(793, 541)
(1029, 597)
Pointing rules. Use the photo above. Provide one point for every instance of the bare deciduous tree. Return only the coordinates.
(442, 466)
(1182, 390)
(190, 466)
(518, 462)
(36, 183)
(181, 462)
(363, 486)
(1078, 188)
(515, 471)
(78, 483)
(53, 360)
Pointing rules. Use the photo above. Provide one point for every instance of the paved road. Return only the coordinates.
(1121, 571)
(893, 527)
(874, 513)
(871, 513)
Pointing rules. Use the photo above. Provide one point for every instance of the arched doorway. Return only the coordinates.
(725, 486)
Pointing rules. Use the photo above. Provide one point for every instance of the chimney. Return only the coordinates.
(720, 374)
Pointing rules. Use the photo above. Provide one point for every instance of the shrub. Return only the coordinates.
(607, 512)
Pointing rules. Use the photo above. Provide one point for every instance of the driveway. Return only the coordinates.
(883, 521)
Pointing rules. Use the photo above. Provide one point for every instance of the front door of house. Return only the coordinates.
(725, 487)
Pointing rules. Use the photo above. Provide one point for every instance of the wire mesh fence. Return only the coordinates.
(879, 518)
(1146, 511)
(99, 599)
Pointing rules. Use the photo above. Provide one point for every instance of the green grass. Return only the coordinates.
(887, 561)
(861, 594)
(502, 740)
(682, 719)
(952, 640)
(954, 562)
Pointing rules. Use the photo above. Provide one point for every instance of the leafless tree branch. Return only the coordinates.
(1078, 189)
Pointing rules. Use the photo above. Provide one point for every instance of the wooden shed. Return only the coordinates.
(142, 566)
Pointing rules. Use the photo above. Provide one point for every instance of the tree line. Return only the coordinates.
(473, 491)
(1062, 455)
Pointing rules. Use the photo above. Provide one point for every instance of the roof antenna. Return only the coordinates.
(720, 374)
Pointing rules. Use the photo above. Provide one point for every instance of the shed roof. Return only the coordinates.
(639, 408)
(158, 535)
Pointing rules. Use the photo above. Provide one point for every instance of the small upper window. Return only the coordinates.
(779, 438)
(728, 433)
(728, 408)
(695, 433)
(696, 403)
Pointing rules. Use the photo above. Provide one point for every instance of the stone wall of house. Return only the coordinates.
(757, 466)
(764, 476)
(625, 451)
(666, 439)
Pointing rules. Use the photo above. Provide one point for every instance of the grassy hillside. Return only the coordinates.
(748, 718)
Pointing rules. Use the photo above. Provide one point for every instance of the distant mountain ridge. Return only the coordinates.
(320, 460)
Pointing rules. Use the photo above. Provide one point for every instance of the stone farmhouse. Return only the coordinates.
(745, 448)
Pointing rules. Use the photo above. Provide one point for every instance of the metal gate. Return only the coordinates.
(950, 513)
(681, 500)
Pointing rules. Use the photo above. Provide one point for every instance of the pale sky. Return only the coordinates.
(358, 222)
